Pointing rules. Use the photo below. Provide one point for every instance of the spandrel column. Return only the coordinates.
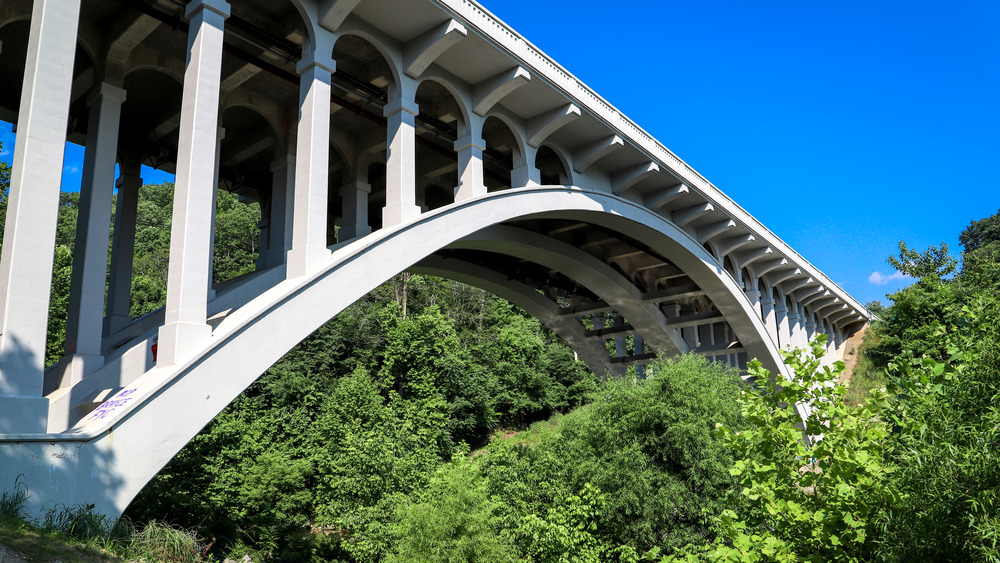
(188, 275)
(355, 197)
(470, 168)
(32, 213)
(123, 247)
(84, 325)
(400, 167)
(309, 247)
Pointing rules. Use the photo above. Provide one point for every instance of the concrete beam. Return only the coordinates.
(776, 279)
(623, 181)
(588, 155)
(798, 284)
(683, 217)
(696, 319)
(722, 349)
(489, 92)
(657, 200)
(744, 259)
(543, 125)
(759, 270)
(709, 232)
(805, 301)
(734, 243)
(419, 53)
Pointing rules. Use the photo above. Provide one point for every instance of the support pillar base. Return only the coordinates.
(181, 340)
(302, 261)
(397, 213)
(71, 369)
(24, 415)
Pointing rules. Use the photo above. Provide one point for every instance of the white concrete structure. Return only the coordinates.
(432, 135)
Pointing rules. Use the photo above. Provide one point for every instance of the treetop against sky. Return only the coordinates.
(844, 128)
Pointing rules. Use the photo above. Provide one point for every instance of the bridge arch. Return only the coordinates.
(251, 338)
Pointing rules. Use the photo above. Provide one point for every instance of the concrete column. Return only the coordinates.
(470, 168)
(526, 174)
(309, 248)
(188, 274)
(355, 220)
(84, 325)
(769, 317)
(279, 229)
(620, 351)
(754, 296)
(123, 247)
(400, 165)
(689, 334)
(810, 329)
(32, 211)
(215, 209)
(794, 327)
(781, 317)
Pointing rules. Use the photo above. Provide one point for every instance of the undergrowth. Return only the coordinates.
(80, 534)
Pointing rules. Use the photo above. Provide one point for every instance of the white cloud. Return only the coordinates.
(878, 279)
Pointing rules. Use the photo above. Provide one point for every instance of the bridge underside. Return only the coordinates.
(376, 136)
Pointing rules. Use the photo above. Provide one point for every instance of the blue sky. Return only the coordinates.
(844, 127)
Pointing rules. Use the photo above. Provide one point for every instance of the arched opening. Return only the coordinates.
(550, 167)
(727, 264)
(360, 91)
(500, 155)
(439, 124)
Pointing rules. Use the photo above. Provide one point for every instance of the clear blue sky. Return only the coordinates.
(844, 127)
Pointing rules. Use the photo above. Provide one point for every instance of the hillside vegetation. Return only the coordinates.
(391, 433)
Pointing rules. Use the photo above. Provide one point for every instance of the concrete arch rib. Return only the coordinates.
(89, 464)
(587, 270)
(592, 352)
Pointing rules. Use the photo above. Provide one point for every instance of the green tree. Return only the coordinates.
(980, 233)
(799, 502)
(451, 520)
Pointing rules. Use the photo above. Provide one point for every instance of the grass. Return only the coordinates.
(77, 534)
(866, 376)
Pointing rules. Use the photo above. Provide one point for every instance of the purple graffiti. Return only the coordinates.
(112, 404)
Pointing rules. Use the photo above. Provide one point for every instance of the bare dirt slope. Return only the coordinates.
(849, 354)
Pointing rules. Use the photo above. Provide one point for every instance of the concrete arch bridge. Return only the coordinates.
(377, 136)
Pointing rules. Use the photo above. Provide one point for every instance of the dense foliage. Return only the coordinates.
(390, 433)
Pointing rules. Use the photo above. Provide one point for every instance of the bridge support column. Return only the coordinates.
(279, 230)
(769, 317)
(312, 154)
(123, 247)
(794, 327)
(84, 326)
(189, 275)
(32, 211)
(754, 296)
(215, 208)
(781, 316)
(470, 168)
(526, 174)
(401, 165)
(355, 197)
